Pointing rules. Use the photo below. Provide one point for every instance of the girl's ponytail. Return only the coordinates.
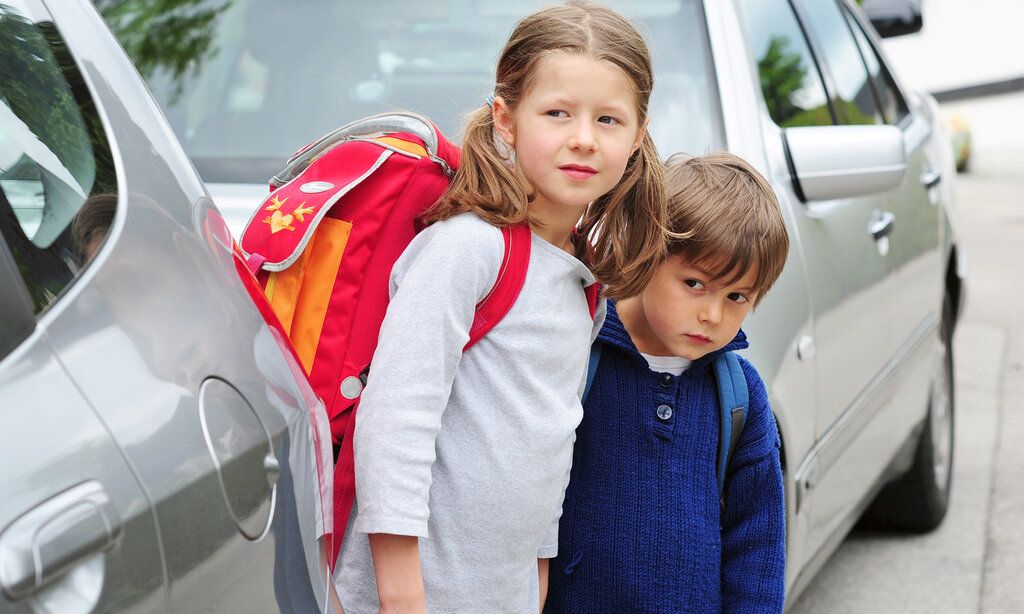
(627, 226)
(485, 182)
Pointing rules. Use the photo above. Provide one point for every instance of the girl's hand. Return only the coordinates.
(396, 563)
(542, 577)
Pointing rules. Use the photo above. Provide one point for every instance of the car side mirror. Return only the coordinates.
(894, 17)
(829, 162)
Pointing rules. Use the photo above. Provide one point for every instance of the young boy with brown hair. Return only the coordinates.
(644, 528)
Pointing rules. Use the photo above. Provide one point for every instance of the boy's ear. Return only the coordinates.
(640, 134)
(503, 118)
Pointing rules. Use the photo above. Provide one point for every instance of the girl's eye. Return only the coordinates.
(696, 284)
(557, 114)
(737, 297)
(607, 119)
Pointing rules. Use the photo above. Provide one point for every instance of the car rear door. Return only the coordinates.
(77, 533)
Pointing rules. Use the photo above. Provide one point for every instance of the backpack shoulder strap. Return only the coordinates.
(595, 358)
(733, 404)
(511, 276)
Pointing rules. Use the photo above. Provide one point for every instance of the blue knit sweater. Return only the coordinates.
(641, 529)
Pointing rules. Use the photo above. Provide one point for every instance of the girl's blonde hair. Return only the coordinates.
(626, 225)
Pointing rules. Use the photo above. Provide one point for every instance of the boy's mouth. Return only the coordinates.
(698, 339)
(578, 171)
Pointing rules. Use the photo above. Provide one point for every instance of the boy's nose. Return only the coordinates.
(711, 313)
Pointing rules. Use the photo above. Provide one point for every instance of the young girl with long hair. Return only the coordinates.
(462, 458)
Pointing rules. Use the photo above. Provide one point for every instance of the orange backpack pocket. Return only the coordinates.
(300, 294)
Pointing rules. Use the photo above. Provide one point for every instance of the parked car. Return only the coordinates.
(960, 137)
(160, 443)
(854, 342)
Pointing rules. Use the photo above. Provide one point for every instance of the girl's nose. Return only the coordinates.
(582, 137)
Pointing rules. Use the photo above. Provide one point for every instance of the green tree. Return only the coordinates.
(35, 87)
(172, 36)
(782, 74)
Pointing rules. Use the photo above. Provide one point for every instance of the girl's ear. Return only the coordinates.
(503, 118)
(640, 134)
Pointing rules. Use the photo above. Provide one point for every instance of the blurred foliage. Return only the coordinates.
(172, 36)
(40, 83)
(42, 86)
(782, 75)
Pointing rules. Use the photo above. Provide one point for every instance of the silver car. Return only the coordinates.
(161, 449)
(854, 341)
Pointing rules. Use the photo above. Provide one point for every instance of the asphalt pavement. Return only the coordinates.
(974, 562)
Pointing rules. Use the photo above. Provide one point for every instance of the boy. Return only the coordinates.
(643, 528)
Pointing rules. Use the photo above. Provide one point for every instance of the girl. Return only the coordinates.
(462, 458)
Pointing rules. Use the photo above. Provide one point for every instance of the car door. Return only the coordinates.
(915, 237)
(166, 344)
(845, 251)
(77, 533)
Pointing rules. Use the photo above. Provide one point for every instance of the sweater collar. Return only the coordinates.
(614, 333)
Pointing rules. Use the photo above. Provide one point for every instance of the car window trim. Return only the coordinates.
(15, 304)
(824, 70)
(872, 79)
(718, 115)
(875, 43)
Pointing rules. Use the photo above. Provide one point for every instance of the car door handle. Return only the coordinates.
(881, 225)
(930, 179)
(48, 540)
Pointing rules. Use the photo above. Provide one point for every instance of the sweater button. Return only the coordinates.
(664, 412)
(666, 380)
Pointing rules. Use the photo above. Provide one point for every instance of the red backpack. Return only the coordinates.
(322, 246)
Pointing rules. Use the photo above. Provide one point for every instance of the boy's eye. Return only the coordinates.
(696, 284)
(555, 113)
(737, 297)
(607, 119)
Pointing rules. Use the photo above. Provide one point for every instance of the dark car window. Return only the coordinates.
(790, 81)
(855, 100)
(894, 107)
(245, 84)
(57, 185)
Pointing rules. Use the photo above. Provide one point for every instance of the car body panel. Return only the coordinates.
(202, 431)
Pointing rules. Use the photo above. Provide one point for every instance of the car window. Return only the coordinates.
(855, 100)
(790, 80)
(245, 84)
(893, 106)
(57, 186)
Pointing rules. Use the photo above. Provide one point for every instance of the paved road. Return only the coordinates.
(974, 562)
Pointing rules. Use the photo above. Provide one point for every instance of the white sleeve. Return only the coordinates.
(549, 547)
(435, 287)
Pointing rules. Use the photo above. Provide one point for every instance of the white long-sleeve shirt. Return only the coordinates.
(469, 451)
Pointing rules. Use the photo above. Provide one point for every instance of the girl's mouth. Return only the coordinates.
(698, 339)
(578, 171)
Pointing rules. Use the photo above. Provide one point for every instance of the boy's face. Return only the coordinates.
(686, 312)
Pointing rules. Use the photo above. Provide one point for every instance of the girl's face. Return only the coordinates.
(573, 132)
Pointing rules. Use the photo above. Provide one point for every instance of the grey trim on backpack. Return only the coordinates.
(382, 123)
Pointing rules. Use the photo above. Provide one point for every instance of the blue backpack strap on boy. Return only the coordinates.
(595, 357)
(733, 404)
